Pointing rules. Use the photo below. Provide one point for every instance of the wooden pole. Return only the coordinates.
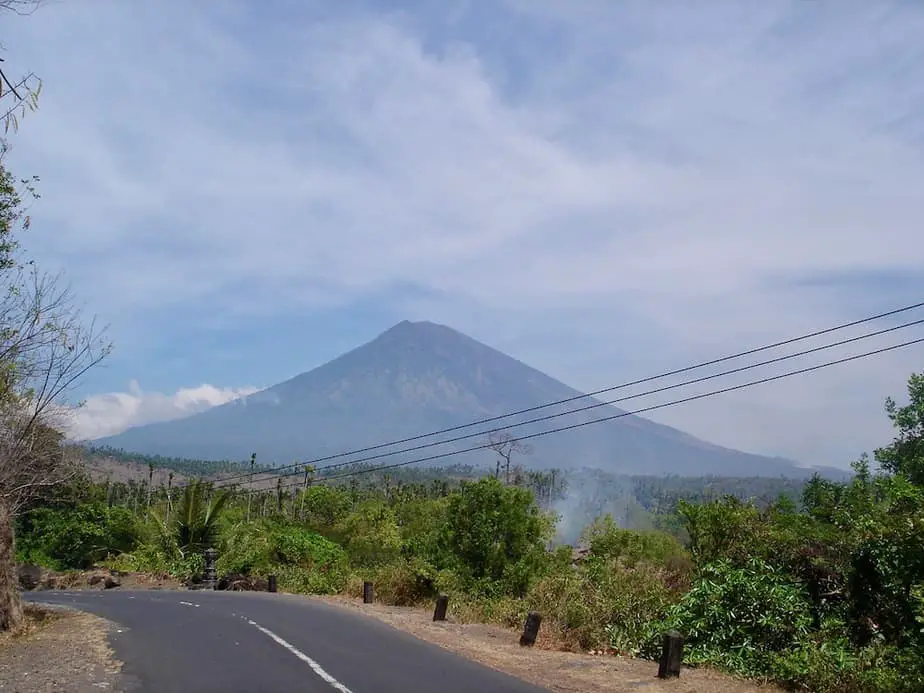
(442, 604)
(671, 655)
(531, 629)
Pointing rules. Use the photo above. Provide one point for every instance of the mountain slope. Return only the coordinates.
(419, 377)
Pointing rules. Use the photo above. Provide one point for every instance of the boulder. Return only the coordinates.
(30, 576)
(102, 579)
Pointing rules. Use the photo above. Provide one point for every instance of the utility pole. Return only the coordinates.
(169, 495)
(253, 462)
(150, 481)
(309, 477)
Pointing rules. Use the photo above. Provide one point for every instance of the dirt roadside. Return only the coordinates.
(75, 656)
(60, 650)
(567, 672)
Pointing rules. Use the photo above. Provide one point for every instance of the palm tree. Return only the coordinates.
(196, 523)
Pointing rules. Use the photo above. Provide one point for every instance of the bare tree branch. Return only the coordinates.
(505, 445)
(21, 7)
(45, 349)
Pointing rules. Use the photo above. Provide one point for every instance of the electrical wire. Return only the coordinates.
(604, 403)
(594, 393)
(635, 412)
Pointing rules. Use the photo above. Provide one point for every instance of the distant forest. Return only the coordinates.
(578, 496)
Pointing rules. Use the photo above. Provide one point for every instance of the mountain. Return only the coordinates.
(419, 377)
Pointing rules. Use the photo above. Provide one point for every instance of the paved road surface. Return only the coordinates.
(248, 642)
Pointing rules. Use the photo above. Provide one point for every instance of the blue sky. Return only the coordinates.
(244, 190)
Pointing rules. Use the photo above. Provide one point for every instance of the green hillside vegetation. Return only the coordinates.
(816, 588)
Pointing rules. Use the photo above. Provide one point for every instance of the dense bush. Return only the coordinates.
(75, 537)
(494, 537)
(740, 617)
(302, 560)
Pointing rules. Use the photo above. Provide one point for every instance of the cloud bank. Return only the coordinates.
(113, 412)
(604, 190)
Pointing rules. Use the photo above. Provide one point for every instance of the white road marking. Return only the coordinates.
(189, 604)
(315, 667)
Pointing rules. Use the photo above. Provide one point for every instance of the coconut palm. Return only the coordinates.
(196, 523)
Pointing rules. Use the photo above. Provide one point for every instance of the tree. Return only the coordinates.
(20, 6)
(495, 534)
(22, 94)
(196, 524)
(905, 455)
(505, 445)
(45, 349)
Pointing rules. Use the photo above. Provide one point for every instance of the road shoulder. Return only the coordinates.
(570, 672)
(62, 649)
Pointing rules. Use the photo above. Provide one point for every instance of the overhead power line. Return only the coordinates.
(613, 417)
(479, 422)
(605, 403)
(528, 410)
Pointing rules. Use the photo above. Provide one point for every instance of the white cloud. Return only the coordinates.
(113, 412)
(653, 183)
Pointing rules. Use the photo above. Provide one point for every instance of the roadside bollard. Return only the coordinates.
(531, 629)
(271, 583)
(442, 604)
(671, 655)
(210, 577)
(367, 593)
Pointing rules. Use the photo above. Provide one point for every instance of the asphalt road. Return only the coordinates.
(246, 642)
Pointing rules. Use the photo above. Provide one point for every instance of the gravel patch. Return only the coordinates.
(60, 650)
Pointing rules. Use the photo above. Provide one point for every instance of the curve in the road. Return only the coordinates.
(251, 642)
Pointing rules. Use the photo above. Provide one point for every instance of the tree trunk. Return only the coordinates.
(10, 602)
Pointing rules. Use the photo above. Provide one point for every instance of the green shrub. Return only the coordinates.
(75, 538)
(739, 618)
(602, 604)
(494, 536)
(406, 582)
(302, 561)
(629, 547)
(371, 534)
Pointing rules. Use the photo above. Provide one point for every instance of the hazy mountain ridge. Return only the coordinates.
(420, 377)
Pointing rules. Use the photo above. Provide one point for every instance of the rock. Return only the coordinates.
(51, 581)
(103, 579)
(238, 582)
(30, 576)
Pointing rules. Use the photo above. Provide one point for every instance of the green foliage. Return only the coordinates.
(740, 617)
(372, 534)
(325, 507)
(905, 456)
(628, 547)
(196, 522)
(603, 603)
(65, 538)
(304, 562)
(494, 536)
